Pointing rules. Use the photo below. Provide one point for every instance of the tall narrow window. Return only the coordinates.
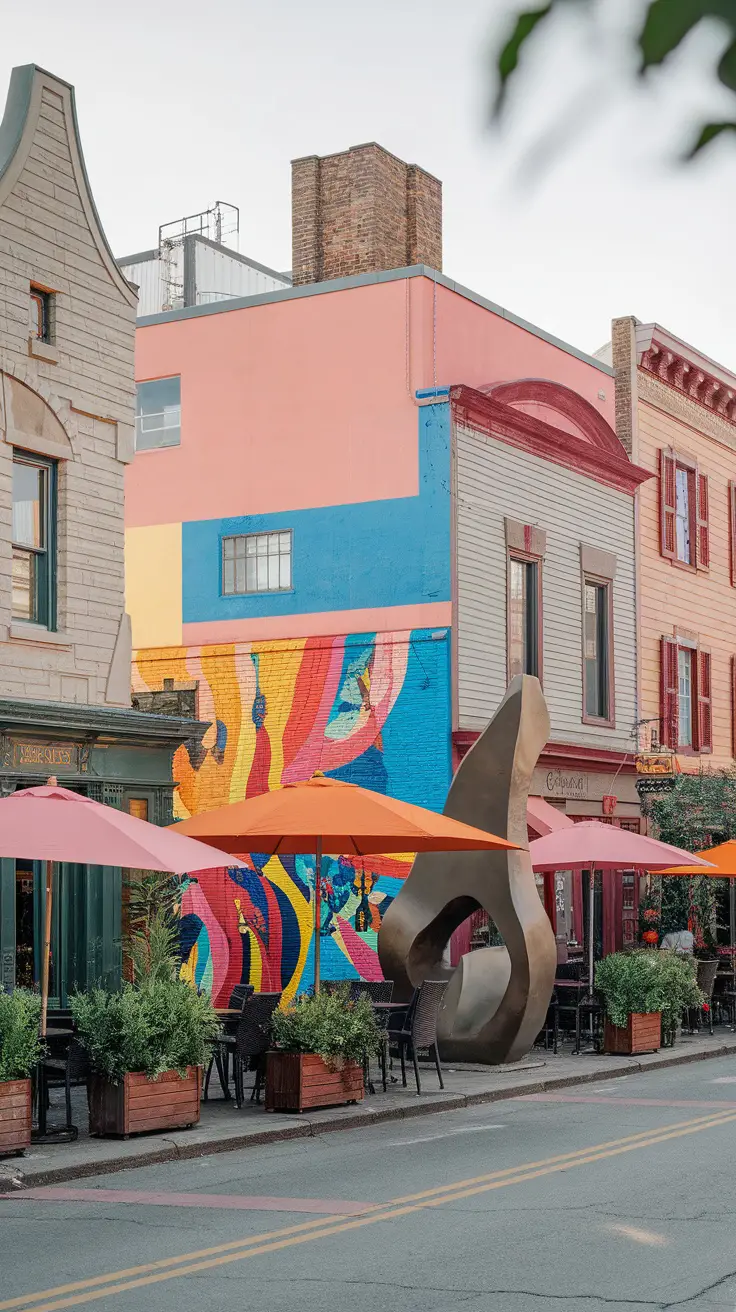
(597, 649)
(685, 697)
(42, 314)
(523, 617)
(158, 414)
(34, 534)
(683, 515)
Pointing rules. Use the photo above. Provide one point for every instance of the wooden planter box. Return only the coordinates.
(296, 1081)
(642, 1034)
(139, 1105)
(15, 1116)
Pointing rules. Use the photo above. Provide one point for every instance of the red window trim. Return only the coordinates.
(732, 530)
(701, 678)
(609, 721)
(529, 558)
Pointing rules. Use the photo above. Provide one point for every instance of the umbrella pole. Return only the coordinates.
(317, 913)
(46, 946)
(591, 924)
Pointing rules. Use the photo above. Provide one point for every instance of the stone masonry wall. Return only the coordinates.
(362, 211)
(49, 235)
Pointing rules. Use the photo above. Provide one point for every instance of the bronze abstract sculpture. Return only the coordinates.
(497, 997)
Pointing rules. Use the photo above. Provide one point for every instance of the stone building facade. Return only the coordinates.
(67, 325)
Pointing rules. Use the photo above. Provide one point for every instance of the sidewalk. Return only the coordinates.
(223, 1128)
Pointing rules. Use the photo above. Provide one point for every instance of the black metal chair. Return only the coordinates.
(222, 1046)
(378, 991)
(251, 1042)
(706, 976)
(551, 1027)
(418, 1033)
(65, 1066)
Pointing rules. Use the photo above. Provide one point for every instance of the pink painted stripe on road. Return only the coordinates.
(229, 1202)
(715, 1103)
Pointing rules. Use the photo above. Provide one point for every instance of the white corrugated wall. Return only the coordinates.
(495, 481)
(147, 275)
(218, 277)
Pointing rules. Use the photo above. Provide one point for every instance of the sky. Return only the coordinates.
(574, 212)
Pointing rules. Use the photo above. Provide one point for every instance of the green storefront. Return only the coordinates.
(121, 757)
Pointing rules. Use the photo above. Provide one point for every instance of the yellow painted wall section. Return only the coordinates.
(153, 585)
(702, 603)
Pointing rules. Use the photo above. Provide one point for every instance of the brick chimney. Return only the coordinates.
(361, 211)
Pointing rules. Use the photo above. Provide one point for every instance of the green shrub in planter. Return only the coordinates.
(161, 1026)
(20, 1045)
(647, 981)
(331, 1025)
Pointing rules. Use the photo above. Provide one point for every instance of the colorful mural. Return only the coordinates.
(371, 709)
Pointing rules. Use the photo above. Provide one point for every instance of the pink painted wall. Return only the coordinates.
(309, 402)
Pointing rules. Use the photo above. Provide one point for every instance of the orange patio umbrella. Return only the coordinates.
(325, 815)
(722, 866)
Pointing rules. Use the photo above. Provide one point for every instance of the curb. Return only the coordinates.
(312, 1129)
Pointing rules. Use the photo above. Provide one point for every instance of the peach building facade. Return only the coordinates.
(676, 416)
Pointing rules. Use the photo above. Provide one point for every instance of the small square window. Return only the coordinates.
(42, 314)
(256, 562)
(158, 414)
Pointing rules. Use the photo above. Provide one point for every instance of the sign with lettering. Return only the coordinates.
(44, 758)
(559, 784)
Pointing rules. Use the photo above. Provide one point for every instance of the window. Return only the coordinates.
(684, 526)
(158, 414)
(256, 562)
(34, 534)
(597, 636)
(42, 316)
(732, 530)
(686, 699)
(523, 617)
(138, 807)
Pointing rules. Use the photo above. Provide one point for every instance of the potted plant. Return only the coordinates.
(20, 1049)
(146, 1046)
(680, 991)
(322, 1044)
(631, 985)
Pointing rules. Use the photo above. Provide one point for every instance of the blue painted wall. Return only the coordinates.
(377, 553)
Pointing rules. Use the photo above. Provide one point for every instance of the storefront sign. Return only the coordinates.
(559, 784)
(48, 758)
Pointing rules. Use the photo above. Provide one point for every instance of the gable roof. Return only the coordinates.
(17, 131)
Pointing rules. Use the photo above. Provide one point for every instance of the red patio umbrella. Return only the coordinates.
(54, 824)
(593, 846)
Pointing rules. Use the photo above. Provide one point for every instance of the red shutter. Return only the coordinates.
(667, 503)
(732, 530)
(705, 712)
(703, 532)
(669, 694)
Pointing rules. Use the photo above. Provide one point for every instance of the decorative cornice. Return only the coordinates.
(679, 406)
(687, 376)
(562, 755)
(474, 409)
(96, 721)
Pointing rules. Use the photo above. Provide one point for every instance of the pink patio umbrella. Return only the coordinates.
(54, 824)
(593, 846)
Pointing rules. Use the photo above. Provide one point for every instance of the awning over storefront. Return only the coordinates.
(544, 819)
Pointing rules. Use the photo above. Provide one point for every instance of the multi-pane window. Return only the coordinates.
(523, 617)
(683, 511)
(597, 649)
(34, 535)
(685, 697)
(41, 308)
(158, 414)
(256, 562)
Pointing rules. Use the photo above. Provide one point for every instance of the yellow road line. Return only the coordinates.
(322, 1228)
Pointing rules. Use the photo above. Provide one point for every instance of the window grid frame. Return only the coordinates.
(242, 558)
(45, 582)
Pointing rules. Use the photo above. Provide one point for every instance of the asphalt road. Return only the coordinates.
(619, 1195)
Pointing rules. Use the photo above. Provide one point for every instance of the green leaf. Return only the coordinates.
(668, 22)
(708, 134)
(727, 67)
(508, 59)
